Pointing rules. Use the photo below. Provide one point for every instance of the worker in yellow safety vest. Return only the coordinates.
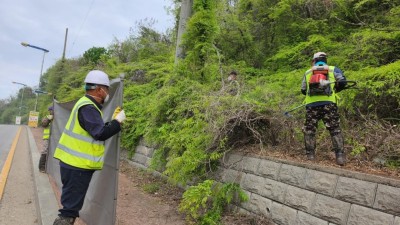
(81, 146)
(46, 124)
(320, 85)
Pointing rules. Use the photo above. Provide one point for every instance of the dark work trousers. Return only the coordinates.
(75, 184)
(328, 113)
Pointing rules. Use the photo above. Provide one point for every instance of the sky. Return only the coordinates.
(43, 23)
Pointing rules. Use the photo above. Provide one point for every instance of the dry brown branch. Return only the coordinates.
(362, 23)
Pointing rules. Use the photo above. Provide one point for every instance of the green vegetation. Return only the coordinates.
(185, 111)
(205, 202)
(151, 188)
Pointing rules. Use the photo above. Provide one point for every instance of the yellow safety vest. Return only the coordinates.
(76, 147)
(321, 98)
(46, 133)
(46, 130)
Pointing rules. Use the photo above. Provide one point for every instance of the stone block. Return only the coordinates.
(388, 199)
(252, 183)
(250, 164)
(299, 198)
(141, 159)
(321, 182)
(292, 175)
(246, 205)
(145, 150)
(330, 209)
(397, 220)
(148, 162)
(231, 176)
(306, 219)
(258, 205)
(243, 163)
(282, 214)
(355, 191)
(274, 190)
(269, 169)
(230, 160)
(265, 187)
(360, 215)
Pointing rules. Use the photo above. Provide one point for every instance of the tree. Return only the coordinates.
(199, 39)
(94, 54)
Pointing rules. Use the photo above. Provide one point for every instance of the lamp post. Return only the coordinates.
(41, 69)
(22, 95)
(38, 91)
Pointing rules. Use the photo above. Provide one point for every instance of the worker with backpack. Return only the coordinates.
(320, 85)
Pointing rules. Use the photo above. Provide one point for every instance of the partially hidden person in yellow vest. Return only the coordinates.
(233, 85)
(46, 124)
(320, 85)
(81, 146)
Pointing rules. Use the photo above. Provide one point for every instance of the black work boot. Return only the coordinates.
(61, 220)
(42, 163)
(340, 158)
(310, 155)
(309, 140)
(338, 146)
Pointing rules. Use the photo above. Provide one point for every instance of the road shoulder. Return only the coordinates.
(46, 201)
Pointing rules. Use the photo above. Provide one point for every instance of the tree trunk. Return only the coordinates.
(185, 13)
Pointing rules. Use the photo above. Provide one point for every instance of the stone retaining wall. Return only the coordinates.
(306, 194)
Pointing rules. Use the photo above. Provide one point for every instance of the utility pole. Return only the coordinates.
(184, 15)
(65, 44)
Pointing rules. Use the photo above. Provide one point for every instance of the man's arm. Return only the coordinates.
(340, 80)
(90, 119)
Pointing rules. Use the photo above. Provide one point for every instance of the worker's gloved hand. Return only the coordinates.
(120, 117)
(323, 83)
(116, 111)
(340, 85)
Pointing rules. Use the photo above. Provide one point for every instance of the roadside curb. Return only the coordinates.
(46, 201)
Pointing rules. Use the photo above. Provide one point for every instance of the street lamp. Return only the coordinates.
(38, 91)
(22, 95)
(41, 69)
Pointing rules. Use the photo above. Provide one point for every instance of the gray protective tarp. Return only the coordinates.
(101, 199)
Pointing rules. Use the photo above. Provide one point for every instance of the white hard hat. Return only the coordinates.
(319, 55)
(97, 77)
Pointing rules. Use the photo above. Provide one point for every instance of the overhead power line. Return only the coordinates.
(80, 28)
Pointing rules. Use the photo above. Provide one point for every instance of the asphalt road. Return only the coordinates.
(18, 203)
(26, 194)
(7, 134)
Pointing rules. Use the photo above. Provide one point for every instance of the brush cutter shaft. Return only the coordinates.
(297, 107)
